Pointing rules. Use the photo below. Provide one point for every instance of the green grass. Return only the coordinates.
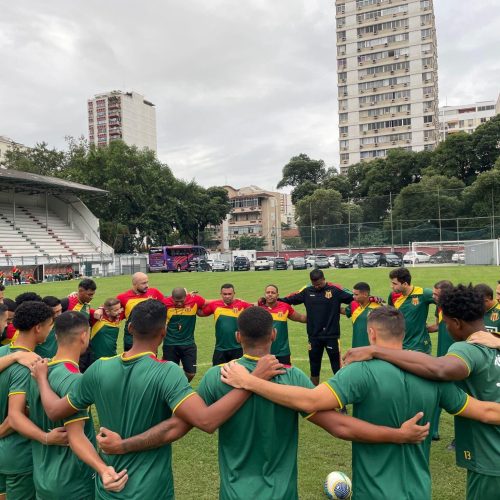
(195, 456)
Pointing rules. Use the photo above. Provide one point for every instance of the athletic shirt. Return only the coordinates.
(359, 317)
(131, 395)
(129, 300)
(415, 308)
(477, 444)
(280, 313)
(49, 348)
(104, 337)
(257, 445)
(492, 318)
(445, 340)
(181, 321)
(226, 322)
(15, 449)
(382, 394)
(57, 472)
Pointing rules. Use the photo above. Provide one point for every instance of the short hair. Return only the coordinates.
(51, 301)
(28, 297)
(401, 274)
(316, 274)
(69, 325)
(11, 304)
(484, 290)
(362, 287)
(462, 302)
(2, 288)
(443, 285)
(178, 293)
(3, 309)
(390, 319)
(274, 286)
(87, 284)
(148, 317)
(112, 301)
(227, 285)
(255, 324)
(30, 314)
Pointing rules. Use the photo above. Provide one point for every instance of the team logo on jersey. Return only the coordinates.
(494, 317)
(415, 301)
(497, 360)
(187, 309)
(328, 294)
(280, 315)
(236, 310)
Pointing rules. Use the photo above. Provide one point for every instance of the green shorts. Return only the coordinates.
(481, 486)
(18, 486)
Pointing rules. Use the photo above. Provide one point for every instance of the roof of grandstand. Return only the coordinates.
(34, 183)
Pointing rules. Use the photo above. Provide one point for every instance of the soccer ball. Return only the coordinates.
(338, 486)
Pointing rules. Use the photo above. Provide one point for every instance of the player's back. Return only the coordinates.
(385, 395)
(132, 395)
(258, 445)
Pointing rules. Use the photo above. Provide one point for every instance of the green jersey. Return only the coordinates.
(383, 394)
(280, 313)
(415, 308)
(258, 445)
(58, 473)
(104, 338)
(131, 395)
(359, 317)
(478, 444)
(15, 450)
(445, 340)
(492, 319)
(181, 321)
(49, 348)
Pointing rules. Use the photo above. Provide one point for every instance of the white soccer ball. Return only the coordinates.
(338, 486)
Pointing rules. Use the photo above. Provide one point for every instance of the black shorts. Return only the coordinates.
(185, 354)
(316, 348)
(85, 360)
(221, 357)
(285, 360)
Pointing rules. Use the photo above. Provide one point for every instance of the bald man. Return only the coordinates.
(139, 292)
(179, 345)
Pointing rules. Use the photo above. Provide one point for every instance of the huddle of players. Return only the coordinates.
(112, 382)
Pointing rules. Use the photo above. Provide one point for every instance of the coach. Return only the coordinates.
(322, 302)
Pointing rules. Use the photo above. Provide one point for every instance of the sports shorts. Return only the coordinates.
(482, 487)
(221, 357)
(185, 354)
(18, 486)
(285, 359)
(316, 348)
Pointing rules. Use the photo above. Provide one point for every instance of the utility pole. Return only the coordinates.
(392, 225)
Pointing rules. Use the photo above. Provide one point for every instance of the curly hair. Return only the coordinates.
(28, 296)
(462, 302)
(30, 314)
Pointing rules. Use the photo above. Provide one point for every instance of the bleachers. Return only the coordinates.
(36, 234)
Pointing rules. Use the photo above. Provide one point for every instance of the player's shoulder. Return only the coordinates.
(4, 350)
(418, 290)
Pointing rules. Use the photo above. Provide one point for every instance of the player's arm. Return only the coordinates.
(165, 432)
(298, 317)
(294, 298)
(297, 398)
(433, 328)
(206, 310)
(486, 412)
(447, 367)
(5, 428)
(23, 425)
(85, 451)
(487, 339)
(55, 407)
(354, 429)
(195, 412)
(22, 357)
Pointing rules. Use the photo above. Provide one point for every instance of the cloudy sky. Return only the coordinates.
(239, 86)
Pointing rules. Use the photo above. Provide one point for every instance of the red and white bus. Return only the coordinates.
(174, 257)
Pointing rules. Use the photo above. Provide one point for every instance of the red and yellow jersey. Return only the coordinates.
(10, 334)
(280, 313)
(131, 298)
(74, 304)
(359, 317)
(181, 321)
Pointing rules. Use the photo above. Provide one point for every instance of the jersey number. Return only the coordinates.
(467, 455)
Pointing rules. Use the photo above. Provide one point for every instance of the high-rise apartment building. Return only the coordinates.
(387, 77)
(466, 118)
(122, 115)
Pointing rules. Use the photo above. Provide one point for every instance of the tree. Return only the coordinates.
(246, 242)
(300, 169)
(302, 190)
(38, 160)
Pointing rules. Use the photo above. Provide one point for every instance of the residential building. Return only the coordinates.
(254, 212)
(466, 118)
(387, 77)
(122, 115)
(7, 144)
(287, 210)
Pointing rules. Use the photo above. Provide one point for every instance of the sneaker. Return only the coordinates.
(451, 446)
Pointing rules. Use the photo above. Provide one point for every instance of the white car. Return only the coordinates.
(416, 257)
(219, 265)
(310, 259)
(262, 264)
(458, 257)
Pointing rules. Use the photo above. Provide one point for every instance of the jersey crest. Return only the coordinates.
(415, 301)
(494, 316)
(328, 294)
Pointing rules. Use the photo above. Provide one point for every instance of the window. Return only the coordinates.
(427, 48)
(402, 122)
(428, 118)
(340, 36)
(383, 55)
(386, 82)
(343, 104)
(343, 117)
(426, 19)
(341, 8)
(374, 14)
(344, 157)
(425, 4)
(342, 77)
(427, 76)
(387, 96)
(341, 50)
(389, 25)
(340, 22)
(377, 153)
(344, 144)
(486, 108)
(426, 33)
(342, 90)
(386, 68)
(341, 64)
(428, 61)
(385, 40)
(343, 130)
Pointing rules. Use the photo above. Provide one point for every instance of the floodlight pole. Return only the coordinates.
(349, 222)
(439, 218)
(392, 225)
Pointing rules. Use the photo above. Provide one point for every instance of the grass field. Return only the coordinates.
(195, 456)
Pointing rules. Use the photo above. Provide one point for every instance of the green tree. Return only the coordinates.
(39, 160)
(246, 242)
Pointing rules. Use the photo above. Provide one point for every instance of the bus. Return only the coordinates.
(174, 257)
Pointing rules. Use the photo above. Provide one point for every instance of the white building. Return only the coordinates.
(387, 77)
(122, 115)
(466, 117)
(6, 144)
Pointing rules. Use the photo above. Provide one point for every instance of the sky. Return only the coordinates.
(239, 86)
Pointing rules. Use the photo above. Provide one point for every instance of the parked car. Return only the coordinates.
(310, 260)
(354, 259)
(442, 257)
(342, 260)
(331, 260)
(241, 264)
(298, 263)
(219, 265)
(262, 264)
(367, 260)
(458, 257)
(280, 264)
(198, 265)
(416, 257)
(321, 262)
(389, 259)
(271, 261)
